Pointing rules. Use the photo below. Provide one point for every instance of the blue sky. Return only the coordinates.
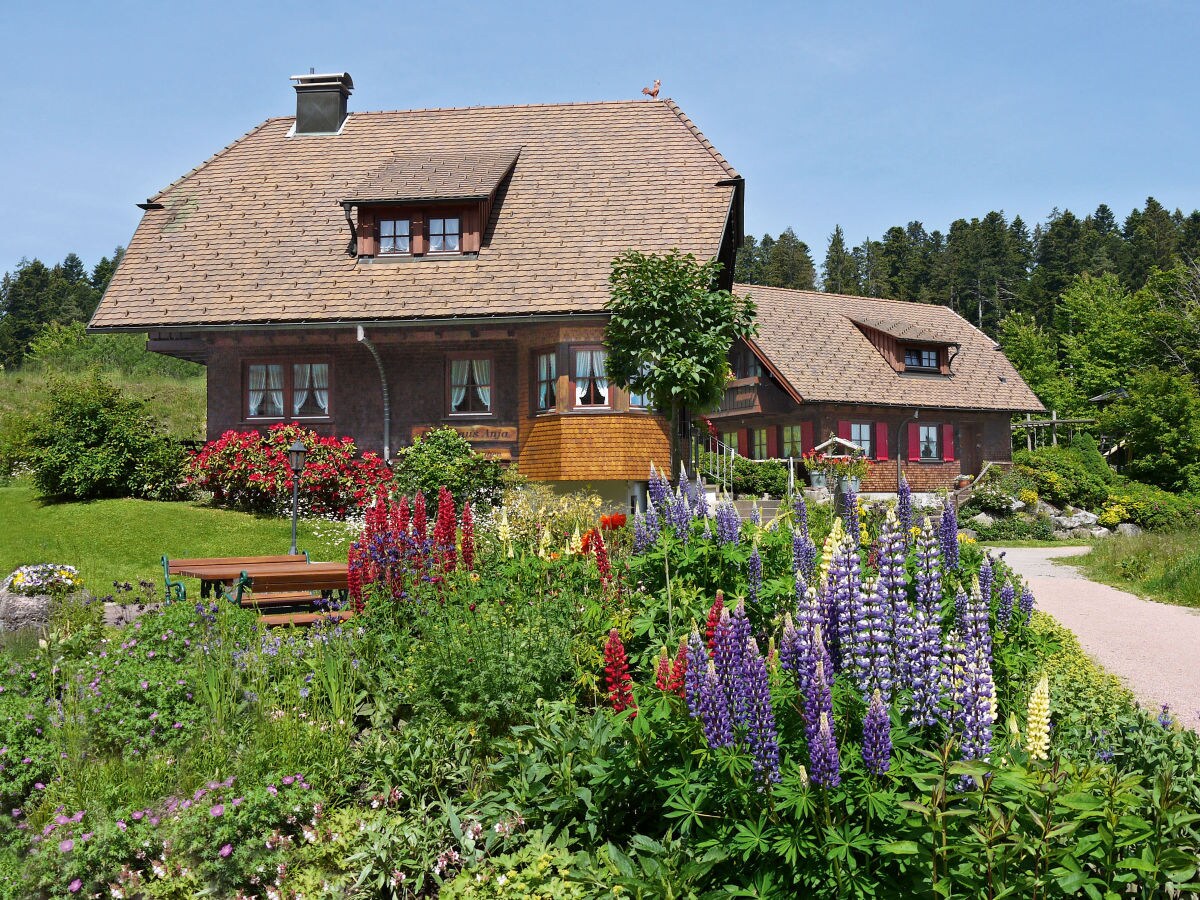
(866, 114)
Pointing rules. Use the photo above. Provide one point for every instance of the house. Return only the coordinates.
(915, 385)
(379, 274)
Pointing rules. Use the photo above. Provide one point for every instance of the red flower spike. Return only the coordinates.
(420, 521)
(404, 517)
(444, 532)
(602, 563)
(662, 671)
(714, 616)
(678, 669)
(616, 674)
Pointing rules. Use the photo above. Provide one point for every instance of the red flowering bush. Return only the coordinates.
(249, 470)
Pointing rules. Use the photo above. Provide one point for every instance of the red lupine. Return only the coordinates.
(602, 559)
(445, 531)
(662, 670)
(468, 535)
(678, 668)
(404, 516)
(616, 673)
(714, 616)
(420, 521)
(354, 580)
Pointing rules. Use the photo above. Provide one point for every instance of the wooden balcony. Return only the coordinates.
(743, 396)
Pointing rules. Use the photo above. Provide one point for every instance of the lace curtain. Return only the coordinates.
(483, 380)
(545, 379)
(302, 373)
(458, 381)
(274, 392)
(591, 381)
(258, 383)
(320, 385)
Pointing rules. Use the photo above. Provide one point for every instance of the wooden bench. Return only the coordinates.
(291, 588)
(198, 566)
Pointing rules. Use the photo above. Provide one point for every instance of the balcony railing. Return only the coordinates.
(742, 396)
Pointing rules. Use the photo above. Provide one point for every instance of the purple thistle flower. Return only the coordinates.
(761, 733)
(948, 533)
(693, 676)
(824, 767)
(729, 523)
(1026, 605)
(714, 710)
(1004, 611)
(754, 572)
(904, 508)
(877, 736)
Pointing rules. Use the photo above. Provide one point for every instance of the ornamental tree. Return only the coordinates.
(670, 332)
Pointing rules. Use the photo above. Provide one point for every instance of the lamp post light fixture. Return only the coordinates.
(297, 453)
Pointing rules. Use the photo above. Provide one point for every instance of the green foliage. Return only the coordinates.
(669, 332)
(1064, 475)
(1160, 422)
(756, 477)
(1153, 508)
(91, 441)
(69, 348)
(786, 262)
(1165, 566)
(535, 871)
(444, 457)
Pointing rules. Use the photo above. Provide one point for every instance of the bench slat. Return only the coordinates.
(277, 619)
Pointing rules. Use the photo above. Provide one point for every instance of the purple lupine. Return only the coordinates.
(755, 514)
(972, 622)
(754, 573)
(986, 579)
(853, 529)
(791, 651)
(824, 767)
(693, 676)
(924, 667)
(761, 733)
(904, 509)
(948, 533)
(659, 487)
(653, 524)
(845, 599)
(872, 666)
(893, 591)
(800, 513)
(970, 686)
(729, 523)
(641, 536)
(700, 501)
(1026, 606)
(714, 710)
(1004, 610)
(804, 554)
(729, 654)
(877, 736)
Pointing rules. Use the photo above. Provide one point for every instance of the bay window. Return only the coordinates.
(590, 380)
(547, 381)
(470, 386)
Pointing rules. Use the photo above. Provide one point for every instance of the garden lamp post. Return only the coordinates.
(296, 455)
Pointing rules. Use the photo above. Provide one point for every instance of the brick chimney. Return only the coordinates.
(321, 102)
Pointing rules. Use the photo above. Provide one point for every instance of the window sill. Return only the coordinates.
(470, 415)
(258, 420)
(399, 258)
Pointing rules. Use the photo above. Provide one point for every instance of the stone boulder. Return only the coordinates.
(983, 520)
(1062, 535)
(1016, 505)
(1079, 519)
(1046, 509)
(18, 611)
(969, 533)
(1128, 529)
(1099, 531)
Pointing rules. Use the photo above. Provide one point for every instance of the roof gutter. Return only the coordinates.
(444, 321)
(387, 404)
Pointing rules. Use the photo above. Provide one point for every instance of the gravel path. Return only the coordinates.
(1151, 646)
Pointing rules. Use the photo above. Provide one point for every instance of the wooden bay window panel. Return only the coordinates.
(546, 382)
(589, 385)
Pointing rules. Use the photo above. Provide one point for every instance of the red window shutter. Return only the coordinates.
(806, 437)
(881, 440)
(844, 430)
(914, 441)
(743, 442)
(948, 443)
(773, 442)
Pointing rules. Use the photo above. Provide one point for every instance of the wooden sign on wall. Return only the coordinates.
(475, 433)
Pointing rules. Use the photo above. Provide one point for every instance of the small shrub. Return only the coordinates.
(90, 442)
(1016, 528)
(754, 477)
(445, 457)
(529, 508)
(1064, 475)
(1153, 508)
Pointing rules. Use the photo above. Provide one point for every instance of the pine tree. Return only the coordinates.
(747, 267)
(790, 264)
(839, 271)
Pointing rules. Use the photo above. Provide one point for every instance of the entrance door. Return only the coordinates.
(969, 446)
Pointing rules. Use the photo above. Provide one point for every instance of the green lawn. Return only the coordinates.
(1164, 567)
(123, 540)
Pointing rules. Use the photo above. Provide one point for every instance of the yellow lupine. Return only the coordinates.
(1037, 728)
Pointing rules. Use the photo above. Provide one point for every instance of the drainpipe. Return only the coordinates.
(387, 405)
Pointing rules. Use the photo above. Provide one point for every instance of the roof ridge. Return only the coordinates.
(422, 109)
(699, 136)
(188, 174)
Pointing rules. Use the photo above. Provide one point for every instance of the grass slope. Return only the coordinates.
(123, 540)
(1165, 567)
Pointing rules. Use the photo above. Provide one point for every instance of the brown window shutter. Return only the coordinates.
(881, 440)
(948, 443)
(368, 244)
(470, 226)
(417, 230)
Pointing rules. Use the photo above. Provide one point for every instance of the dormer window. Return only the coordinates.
(922, 359)
(445, 235)
(395, 236)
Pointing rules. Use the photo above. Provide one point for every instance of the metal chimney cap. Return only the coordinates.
(330, 79)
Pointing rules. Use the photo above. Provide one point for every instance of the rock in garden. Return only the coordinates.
(1062, 535)
(18, 611)
(1128, 529)
(969, 533)
(1046, 509)
(1016, 505)
(1087, 518)
(1100, 532)
(983, 520)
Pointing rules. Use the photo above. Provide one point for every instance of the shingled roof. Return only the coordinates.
(813, 342)
(257, 234)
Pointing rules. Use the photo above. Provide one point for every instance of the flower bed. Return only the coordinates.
(42, 579)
